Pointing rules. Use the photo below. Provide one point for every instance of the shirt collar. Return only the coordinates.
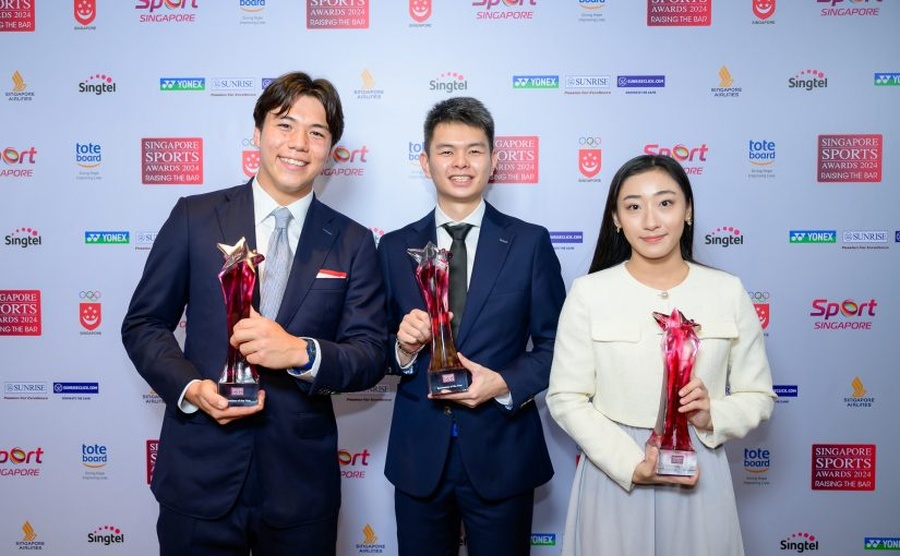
(264, 204)
(474, 218)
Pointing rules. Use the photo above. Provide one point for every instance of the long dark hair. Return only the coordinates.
(612, 247)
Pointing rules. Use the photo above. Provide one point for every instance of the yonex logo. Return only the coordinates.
(106, 238)
(813, 236)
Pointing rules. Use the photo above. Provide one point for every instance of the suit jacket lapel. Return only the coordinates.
(236, 221)
(494, 241)
(423, 231)
(236, 217)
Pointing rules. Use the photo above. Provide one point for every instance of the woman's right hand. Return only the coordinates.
(645, 472)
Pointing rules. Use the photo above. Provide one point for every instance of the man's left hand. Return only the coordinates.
(486, 385)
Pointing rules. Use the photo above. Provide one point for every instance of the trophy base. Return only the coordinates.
(448, 381)
(677, 462)
(239, 394)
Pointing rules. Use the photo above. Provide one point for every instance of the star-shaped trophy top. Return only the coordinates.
(239, 252)
(675, 321)
(429, 253)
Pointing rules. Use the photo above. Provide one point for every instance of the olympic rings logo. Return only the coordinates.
(759, 296)
(590, 141)
(90, 295)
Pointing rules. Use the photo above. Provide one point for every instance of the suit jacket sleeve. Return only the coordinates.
(353, 359)
(393, 312)
(750, 398)
(157, 307)
(572, 388)
(528, 374)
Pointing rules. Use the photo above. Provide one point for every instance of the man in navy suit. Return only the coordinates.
(476, 456)
(265, 477)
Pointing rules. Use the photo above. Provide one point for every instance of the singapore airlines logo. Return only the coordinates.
(18, 82)
(725, 79)
(368, 89)
(19, 91)
(28, 534)
(370, 544)
(726, 86)
(29, 539)
(860, 397)
(368, 80)
(859, 390)
(369, 534)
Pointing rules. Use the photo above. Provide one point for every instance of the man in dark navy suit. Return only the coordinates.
(265, 477)
(476, 456)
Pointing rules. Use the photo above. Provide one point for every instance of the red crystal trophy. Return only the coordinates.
(239, 382)
(445, 373)
(671, 436)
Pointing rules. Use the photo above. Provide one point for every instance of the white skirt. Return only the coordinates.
(604, 519)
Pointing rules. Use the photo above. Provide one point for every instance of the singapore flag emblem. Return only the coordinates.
(589, 162)
(89, 315)
(419, 10)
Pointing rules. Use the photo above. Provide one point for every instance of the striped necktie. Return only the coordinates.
(278, 265)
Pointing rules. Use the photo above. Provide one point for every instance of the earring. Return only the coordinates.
(618, 229)
(689, 222)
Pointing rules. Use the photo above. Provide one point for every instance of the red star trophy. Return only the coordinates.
(445, 373)
(239, 382)
(671, 436)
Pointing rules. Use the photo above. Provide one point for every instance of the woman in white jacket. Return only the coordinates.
(608, 370)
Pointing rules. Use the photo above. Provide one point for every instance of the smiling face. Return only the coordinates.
(651, 209)
(460, 162)
(293, 149)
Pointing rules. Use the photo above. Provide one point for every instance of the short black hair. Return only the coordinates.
(463, 110)
(280, 95)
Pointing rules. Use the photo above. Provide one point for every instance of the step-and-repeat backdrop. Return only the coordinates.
(784, 113)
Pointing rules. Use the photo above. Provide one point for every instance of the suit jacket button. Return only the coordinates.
(448, 410)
